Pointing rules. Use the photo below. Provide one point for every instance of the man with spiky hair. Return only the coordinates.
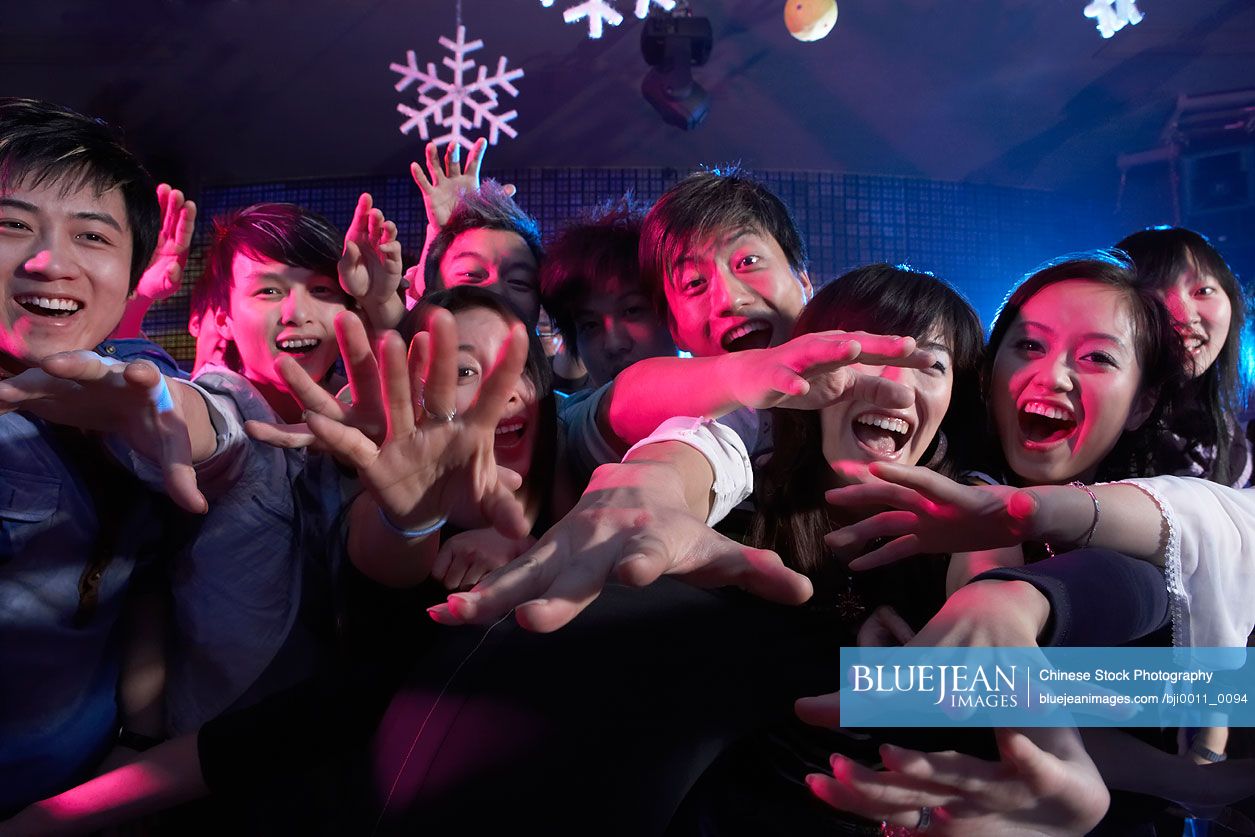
(78, 223)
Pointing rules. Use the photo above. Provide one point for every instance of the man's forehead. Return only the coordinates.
(486, 243)
(607, 292)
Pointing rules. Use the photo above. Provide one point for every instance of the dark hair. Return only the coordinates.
(585, 255)
(488, 207)
(704, 205)
(1159, 351)
(791, 516)
(1204, 414)
(544, 457)
(45, 143)
(282, 232)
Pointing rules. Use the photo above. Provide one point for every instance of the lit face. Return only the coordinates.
(858, 433)
(1201, 311)
(734, 293)
(1067, 382)
(498, 260)
(617, 327)
(278, 309)
(481, 334)
(65, 269)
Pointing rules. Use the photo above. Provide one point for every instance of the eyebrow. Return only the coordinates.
(466, 347)
(727, 241)
(103, 217)
(934, 347)
(1091, 335)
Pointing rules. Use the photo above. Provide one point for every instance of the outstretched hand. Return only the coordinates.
(630, 526)
(164, 274)
(131, 400)
(370, 267)
(443, 185)
(933, 515)
(812, 371)
(1044, 784)
(364, 413)
(431, 460)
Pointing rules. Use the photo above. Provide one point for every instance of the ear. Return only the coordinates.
(1142, 407)
(808, 290)
(223, 321)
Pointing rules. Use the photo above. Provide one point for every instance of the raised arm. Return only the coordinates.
(164, 275)
(370, 268)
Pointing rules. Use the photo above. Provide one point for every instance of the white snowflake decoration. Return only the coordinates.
(1113, 15)
(448, 109)
(601, 13)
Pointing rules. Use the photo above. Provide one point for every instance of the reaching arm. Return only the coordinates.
(808, 372)
(637, 520)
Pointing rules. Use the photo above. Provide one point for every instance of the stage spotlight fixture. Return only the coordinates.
(673, 44)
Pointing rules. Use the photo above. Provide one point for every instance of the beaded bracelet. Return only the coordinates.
(414, 534)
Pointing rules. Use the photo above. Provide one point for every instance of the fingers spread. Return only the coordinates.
(347, 443)
(394, 379)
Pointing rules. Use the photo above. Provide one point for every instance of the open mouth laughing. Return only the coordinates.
(752, 334)
(510, 433)
(1194, 341)
(298, 346)
(58, 307)
(1043, 424)
(882, 435)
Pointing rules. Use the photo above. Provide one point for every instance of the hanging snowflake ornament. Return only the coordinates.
(1113, 15)
(466, 102)
(602, 13)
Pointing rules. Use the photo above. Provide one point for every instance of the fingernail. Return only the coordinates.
(535, 602)
(440, 613)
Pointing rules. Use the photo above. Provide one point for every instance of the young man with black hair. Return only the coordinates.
(78, 222)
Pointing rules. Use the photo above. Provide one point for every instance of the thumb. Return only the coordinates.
(1023, 505)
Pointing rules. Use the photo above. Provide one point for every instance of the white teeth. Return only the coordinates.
(50, 303)
(893, 425)
(742, 330)
(509, 427)
(294, 345)
(1049, 411)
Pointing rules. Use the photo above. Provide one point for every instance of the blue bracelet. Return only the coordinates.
(413, 534)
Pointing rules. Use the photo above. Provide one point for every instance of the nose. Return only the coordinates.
(618, 339)
(729, 294)
(1181, 306)
(51, 261)
(1056, 373)
(295, 308)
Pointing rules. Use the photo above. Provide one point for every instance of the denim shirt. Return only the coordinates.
(58, 674)
(239, 589)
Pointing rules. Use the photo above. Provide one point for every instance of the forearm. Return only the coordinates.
(383, 554)
(195, 414)
(651, 391)
(132, 323)
(382, 314)
(1128, 519)
(165, 776)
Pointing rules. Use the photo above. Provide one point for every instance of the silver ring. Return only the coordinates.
(925, 819)
(443, 418)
